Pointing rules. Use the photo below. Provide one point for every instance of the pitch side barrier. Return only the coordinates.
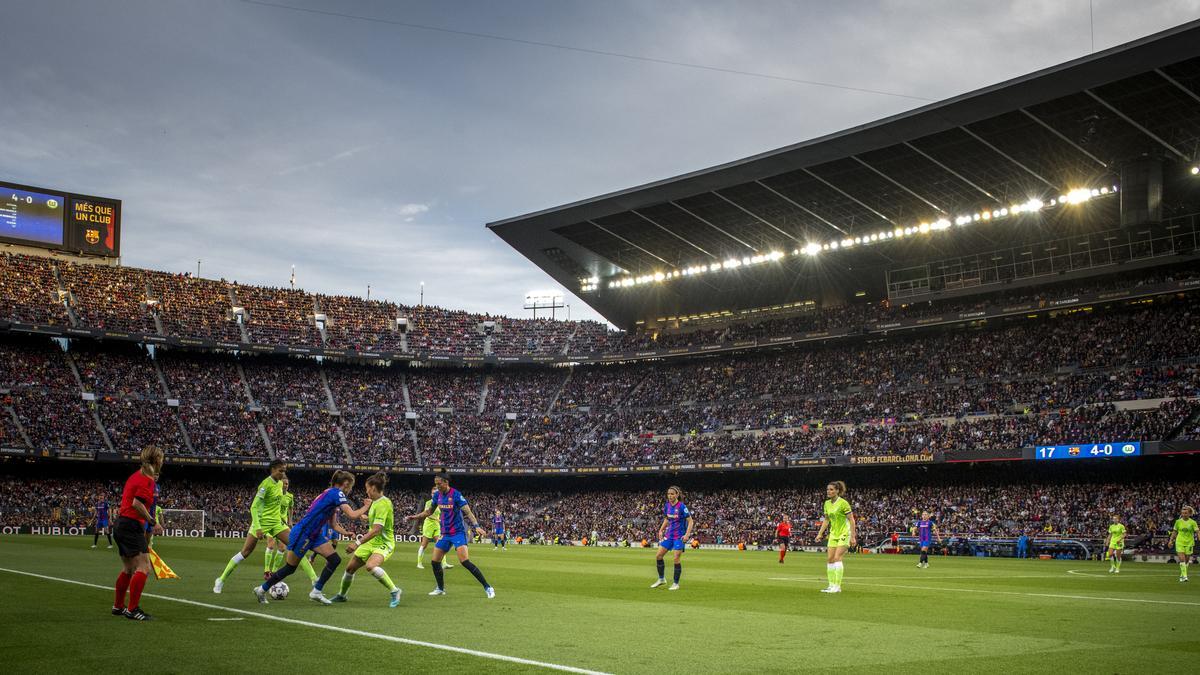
(982, 545)
(170, 533)
(990, 312)
(991, 455)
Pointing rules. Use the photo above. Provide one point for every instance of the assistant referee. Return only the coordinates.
(129, 533)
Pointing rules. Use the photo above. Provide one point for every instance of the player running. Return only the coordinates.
(312, 534)
(266, 520)
(131, 541)
(926, 530)
(843, 533)
(673, 533)
(452, 506)
(101, 521)
(1183, 536)
(377, 544)
(287, 503)
(499, 534)
(783, 534)
(1115, 544)
(431, 531)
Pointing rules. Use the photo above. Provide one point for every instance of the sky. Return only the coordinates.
(367, 142)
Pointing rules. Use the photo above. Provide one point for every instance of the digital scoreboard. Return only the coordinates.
(60, 220)
(1089, 450)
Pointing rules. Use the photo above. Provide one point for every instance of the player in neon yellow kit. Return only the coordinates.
(265, 521)
(1115, 543)
(1183, 536)
(287, 503)
(377, 544)
(843, 533)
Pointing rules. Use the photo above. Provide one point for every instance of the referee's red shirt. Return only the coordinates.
(783, 530)
(141, 486)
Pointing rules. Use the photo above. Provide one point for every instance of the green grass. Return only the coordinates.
(593, 609)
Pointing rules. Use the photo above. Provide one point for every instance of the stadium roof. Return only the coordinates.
(1036, 137)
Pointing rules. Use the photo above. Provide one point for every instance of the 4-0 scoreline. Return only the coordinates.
(1089, 450)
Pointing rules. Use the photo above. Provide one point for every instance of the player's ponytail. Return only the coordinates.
(152, 459)
(839, 486)
(378, 480)
(340, 477)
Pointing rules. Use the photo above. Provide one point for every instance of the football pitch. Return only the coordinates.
(582, 610)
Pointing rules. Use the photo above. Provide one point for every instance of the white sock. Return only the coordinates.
(421, 553)
(837, 565)
(238, 557)
(378, 572)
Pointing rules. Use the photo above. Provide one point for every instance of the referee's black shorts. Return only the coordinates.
(782, 540)
(130, 536)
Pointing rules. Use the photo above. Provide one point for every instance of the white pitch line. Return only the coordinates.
(1124, 575)
(226, 618)
(1030, 595)
(337, 629)
(935, 578)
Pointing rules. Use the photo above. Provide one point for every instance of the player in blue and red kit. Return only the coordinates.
(312, 533)
(499, 534)
(674, 533)
(926, 530)
(452, 506)
(101, 520)
(156, 511)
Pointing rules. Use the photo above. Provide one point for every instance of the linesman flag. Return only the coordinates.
(161, 570)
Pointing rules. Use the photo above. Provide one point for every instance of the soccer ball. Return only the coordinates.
(279, 591)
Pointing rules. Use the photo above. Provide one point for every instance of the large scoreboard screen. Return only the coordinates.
(60, 220)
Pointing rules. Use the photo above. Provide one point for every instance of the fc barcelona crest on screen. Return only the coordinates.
(92, 236)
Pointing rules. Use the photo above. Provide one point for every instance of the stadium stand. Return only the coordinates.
(1125, 371)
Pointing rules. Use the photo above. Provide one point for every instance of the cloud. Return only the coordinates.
(408, 211)
(317, 164)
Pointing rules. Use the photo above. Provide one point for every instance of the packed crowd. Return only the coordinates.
(1009, 384)
(300, 434)
(111, 298)
(524, 391)
(448, 440)
(29, 291)
(140, 300)
(279, 315)
(353, 323)
(1046, 509)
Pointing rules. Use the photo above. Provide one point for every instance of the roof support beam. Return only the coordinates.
(673, 234)
(1195, 97)
(847, 195)
(1010, 158)
(891, 180)
(718, 229)
(605, 229)
(746, 211)
(1064, 139)
(1137, 126)
(796, 204)
(950, 171)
